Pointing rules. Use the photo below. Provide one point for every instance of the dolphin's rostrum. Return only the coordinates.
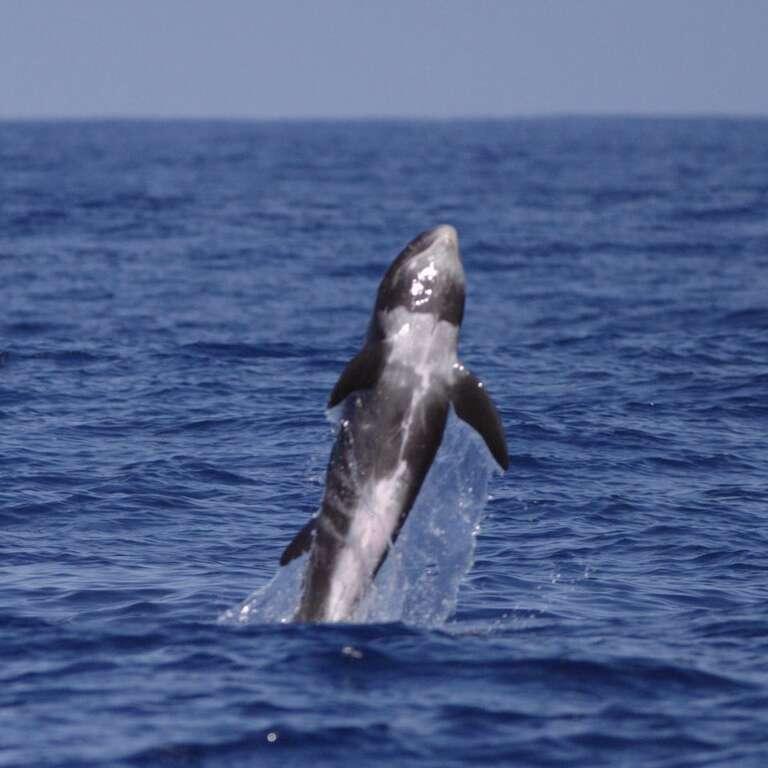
(395, 393)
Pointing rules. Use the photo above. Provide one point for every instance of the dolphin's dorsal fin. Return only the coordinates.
(472, 404)
(301, 543)
(361, 372)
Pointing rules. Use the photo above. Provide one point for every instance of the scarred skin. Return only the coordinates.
(396, 393)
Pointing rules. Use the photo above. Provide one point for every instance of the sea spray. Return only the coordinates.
(419, 581)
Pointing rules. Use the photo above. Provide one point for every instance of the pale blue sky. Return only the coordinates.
(341, 58)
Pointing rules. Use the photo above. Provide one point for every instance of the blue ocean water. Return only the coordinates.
(176, 302)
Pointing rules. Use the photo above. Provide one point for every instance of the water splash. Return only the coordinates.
(419, 581)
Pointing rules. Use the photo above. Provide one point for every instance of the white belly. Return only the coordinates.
(420, 343)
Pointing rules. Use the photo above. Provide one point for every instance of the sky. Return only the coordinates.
(389, 58)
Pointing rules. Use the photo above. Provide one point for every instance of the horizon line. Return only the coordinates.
(405, 117)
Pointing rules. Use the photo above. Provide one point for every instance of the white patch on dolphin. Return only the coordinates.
(396, 394)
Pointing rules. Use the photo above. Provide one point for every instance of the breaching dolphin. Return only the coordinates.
(395, 393)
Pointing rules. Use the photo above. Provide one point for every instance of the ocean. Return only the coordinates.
(177, 300)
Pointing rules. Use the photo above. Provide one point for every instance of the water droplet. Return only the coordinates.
(352, 652)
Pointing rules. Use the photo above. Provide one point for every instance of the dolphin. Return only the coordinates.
(396, 393)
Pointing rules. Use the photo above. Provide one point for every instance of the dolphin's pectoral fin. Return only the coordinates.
(361, 372)
(301, 543)
(473, 405)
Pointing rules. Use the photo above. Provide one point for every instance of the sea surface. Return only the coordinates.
(177, 300)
